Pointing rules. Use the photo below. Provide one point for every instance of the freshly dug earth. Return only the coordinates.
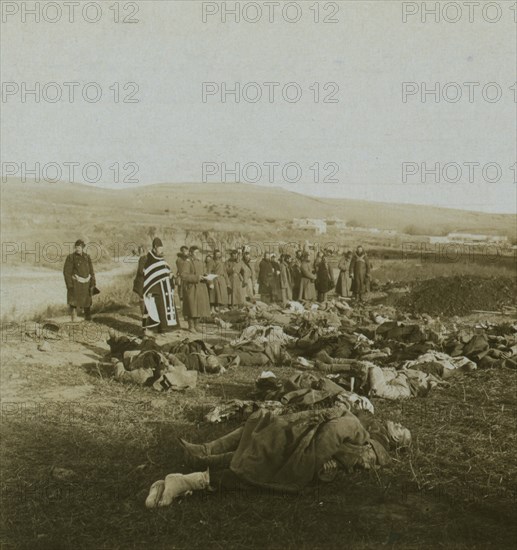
(459, 295)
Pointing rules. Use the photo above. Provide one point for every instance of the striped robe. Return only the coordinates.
(158, 294)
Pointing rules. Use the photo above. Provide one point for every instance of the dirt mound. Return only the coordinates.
(459, 295)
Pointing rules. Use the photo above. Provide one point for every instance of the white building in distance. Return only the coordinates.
(318, 226)
(475, 238)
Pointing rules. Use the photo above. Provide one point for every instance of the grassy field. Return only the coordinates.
(80, 450)
(455, 488)
(414, 270)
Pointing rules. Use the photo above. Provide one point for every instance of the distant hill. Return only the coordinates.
(37, 212)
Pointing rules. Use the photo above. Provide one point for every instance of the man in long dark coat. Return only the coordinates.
(80, 281)
(265, 278)
(219, 294)
(324, 279)
(248, 277)
(276, 285)
(138, 282)
(196, 303)
(307, 290)
(296, 274)
(286, 283)
(180, 260)
(360, 272)
(342, 281)
(236, 291)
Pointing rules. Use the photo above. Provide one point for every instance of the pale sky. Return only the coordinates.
(367, 135)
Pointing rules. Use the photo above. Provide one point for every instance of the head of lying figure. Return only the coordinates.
(398, 435)
(391, 435)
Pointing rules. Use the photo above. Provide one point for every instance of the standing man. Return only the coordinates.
(317, 260)
(360, 272)
(248, 277)
(180, 260)
(265, 278)
(79, 280)
(286, 284)
(235, 287)
(276, 288)
(138, 283)
(307, 290)
(342, 280)
(196, 303)
(324, 279)
(296, 274)
(219, 293)
(160, 309)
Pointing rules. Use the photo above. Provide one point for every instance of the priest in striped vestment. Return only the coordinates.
(160, 310)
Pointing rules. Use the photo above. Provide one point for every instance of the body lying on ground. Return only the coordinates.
(284, 453)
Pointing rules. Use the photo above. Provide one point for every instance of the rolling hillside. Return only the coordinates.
(43, 212)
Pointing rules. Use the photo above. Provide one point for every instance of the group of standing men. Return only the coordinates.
(201, 286)
(297, 278)
(205, 286)
(234, 283)
(155, 281)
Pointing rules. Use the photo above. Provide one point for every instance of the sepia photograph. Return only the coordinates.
(258, 284)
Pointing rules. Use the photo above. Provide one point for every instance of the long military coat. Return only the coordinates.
(195, 293)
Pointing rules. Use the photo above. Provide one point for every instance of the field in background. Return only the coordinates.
(405, 271)
(456, 488)
(117, 221)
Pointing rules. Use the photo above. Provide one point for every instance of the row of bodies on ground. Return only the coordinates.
(345, 359)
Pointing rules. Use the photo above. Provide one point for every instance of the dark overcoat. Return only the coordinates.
(79, 294)
(324, 278)
(236, 293)
(219, 294)
(307, 290)
(342, 280)
(359, 271)
(195, 293)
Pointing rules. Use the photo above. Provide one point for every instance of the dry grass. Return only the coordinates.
(413, 270)
(455, 489)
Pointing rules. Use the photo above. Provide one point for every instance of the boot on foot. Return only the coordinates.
(194, 455)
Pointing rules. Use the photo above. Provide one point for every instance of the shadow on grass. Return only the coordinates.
(114, 458)
(119, 325)
(107, 478)
(219, 387)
